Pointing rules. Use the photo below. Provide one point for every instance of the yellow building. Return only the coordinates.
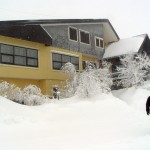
(32, 52)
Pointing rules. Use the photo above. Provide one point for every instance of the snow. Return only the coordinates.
(116, 121)
(124, 46)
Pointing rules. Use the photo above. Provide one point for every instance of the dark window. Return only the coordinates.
(32, 62)
(99, 42)
(85, 63)
(32, 53)
(65, 58)
(84, 37)
(20, 51)
(74, 60)
(6, 49)
(56, 57)
(60, 59)
(114, 68)
(19, 60)
(7, 59)
(16, 55)
(73, 34)
(57, 65)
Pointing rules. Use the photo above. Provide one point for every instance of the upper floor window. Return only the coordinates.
(15, 55)
(84, 37)
(99, 42)
(73, 34)
(60, 59)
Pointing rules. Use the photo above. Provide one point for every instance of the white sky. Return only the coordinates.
(128, 17)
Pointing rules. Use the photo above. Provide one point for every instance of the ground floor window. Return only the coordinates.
(59, 60)
(21, 56)
(86, 64)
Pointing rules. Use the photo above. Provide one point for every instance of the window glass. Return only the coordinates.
(56, 57)
(83, 65)
(65, 58)
(97, 42)
(7, 59)
(74, 60)
(101, 43)
(16, 55)
(77, 67)
(84, 37)
(19, 60)
(57, 65)
(6, 49)
(32, 53)
(73, 34)
(59, 60)
(19, 51)
(32, 62)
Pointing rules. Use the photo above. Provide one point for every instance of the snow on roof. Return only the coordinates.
(124, 46)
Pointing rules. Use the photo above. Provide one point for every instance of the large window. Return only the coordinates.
(73, 34)
(16, 55)
(60, 59)
(84, 37)
(99, 42)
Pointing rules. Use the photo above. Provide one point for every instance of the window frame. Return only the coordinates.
(100, 39)
(19, 55)
(86, 33)
(70, 27)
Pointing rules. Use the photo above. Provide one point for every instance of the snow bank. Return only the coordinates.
(134, 97)
(101, 122)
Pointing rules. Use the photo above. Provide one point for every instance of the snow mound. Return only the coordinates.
(134, 97)
(12, 113)
(100, 122)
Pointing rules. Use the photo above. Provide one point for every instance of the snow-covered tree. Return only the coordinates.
(71, 83)
(93, 81)
(89, 82)
(133, 69)
(69, 68)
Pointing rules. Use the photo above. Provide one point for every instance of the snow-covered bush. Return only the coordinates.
(16, 95)
(6, 88)
(133, 69)
(30, 95)
(90, 82)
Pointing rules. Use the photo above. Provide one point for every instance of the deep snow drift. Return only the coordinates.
(103, 122)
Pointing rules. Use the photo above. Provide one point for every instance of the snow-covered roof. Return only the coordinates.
(124, 46)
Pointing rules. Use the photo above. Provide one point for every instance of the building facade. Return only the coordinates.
(33, 51)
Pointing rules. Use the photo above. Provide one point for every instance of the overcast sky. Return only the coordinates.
(128, 17)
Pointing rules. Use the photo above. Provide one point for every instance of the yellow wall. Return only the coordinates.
(21, 82)
(43, 76)
(11, 71)
(89, 58)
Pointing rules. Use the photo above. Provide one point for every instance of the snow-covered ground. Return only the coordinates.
(103, 122)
